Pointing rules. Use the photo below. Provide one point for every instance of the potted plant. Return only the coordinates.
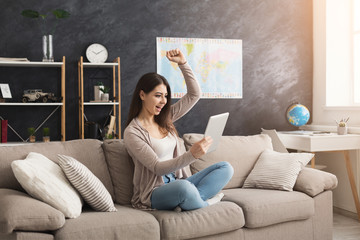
(342, 126)
(46, 134)
(105, 93)
(97, 91)
(47, 34)
(31, 132)
(109, 135)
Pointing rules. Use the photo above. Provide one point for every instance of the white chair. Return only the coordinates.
(278, 146)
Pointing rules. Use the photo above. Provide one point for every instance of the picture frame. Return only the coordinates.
(5, 90)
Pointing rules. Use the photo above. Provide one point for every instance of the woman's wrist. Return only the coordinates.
(182, 63)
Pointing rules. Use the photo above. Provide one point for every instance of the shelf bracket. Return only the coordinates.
(43, 122)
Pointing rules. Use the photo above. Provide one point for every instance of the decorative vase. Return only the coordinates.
(46, 138)
(32, 138)
(342, 130)
(97, 92)
(47, 44)
(105, 97)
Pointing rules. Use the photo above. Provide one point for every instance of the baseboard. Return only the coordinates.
(345, 213)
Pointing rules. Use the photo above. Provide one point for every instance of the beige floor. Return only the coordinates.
(346, 227)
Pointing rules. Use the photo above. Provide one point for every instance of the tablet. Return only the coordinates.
(215, 129)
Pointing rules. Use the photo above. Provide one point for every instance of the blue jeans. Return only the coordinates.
(192, 192)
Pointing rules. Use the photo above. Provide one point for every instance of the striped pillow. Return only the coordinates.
(274, 170)
(88, 185)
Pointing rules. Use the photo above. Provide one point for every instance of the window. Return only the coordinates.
(343, 53)
(356, 52)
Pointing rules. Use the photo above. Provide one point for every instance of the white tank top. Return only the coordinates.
(164, 147)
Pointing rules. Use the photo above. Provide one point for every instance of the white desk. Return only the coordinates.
(327, 143)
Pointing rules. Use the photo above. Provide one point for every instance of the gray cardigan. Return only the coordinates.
(148, 169)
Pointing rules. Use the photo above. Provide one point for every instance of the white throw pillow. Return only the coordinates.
(274, 170)
(44, 180)
(88, 185)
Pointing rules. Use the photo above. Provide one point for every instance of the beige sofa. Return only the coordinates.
(305, 213)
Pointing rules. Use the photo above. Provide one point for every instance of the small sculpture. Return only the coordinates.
(37, 95)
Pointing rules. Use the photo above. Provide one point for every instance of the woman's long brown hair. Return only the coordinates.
(147, 83)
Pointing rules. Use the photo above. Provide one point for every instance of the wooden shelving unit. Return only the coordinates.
(32, 64)
(115, 65)
(30, 104)
(43, 65)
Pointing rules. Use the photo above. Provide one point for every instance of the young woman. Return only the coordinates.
(160, 180)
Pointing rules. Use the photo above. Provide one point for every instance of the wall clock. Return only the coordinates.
(96, 53)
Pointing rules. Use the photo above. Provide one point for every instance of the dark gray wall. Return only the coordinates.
(277, 54)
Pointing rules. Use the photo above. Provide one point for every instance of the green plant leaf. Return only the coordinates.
(31, 130)
(46, 131)
(59, 13)
(30, 13)
(105, 89)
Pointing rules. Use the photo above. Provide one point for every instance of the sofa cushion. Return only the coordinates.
(44, 180)
(274, 170)
(121, 168)
(218, 218)
(20, 212)
(27, 236)
(89, 152)
(87, 184)
(263, 207)
(241, 152)
(125, 223)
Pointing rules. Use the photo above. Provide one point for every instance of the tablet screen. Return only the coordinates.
(215, 129)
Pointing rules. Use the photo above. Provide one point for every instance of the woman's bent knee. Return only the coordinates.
(230, 168)
(183, 187)
(227, 168)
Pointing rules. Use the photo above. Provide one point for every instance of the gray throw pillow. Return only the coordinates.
(121, 168)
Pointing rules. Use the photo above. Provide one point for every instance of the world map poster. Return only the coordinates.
(217, 65)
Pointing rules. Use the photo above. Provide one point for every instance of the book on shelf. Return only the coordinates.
(4, 126)
(7, 59)
(307, 132)
(111, 125)
(99, 101)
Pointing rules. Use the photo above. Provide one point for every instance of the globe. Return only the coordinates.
(297, 115)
